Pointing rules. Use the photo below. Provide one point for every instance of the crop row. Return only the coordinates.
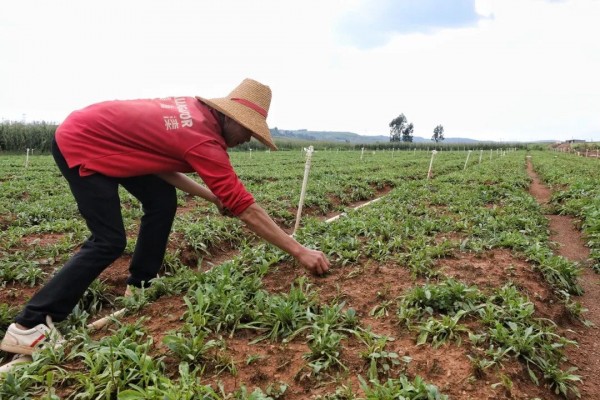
(576, 187)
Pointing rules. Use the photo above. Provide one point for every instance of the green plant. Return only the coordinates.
(325, 347)
(401, 388)
(381, 362)
(191, 345)
(480, 365)
(562, 381)
(341, 393)
(438, 331)
(506, 383)
(187, 387)
(447, 297)
(116, 363)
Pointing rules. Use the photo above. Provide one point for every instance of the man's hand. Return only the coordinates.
(314, 261)
(260, 223)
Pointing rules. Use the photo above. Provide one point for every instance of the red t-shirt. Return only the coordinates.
(125, 138)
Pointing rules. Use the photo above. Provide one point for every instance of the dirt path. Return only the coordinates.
(571, 246)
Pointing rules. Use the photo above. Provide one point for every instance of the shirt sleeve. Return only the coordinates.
(212, 164)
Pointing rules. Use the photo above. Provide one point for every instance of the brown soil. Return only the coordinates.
(570, 244)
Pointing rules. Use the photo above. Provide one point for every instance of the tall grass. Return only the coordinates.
(19, 136)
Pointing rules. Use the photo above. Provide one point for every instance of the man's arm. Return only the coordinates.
(260, 223)
(188, 185)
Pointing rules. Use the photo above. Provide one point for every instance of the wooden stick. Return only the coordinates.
(309, 152)
(102, 322)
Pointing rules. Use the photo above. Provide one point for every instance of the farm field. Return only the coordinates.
(450, 287)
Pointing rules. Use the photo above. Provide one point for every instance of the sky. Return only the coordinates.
(501, 70)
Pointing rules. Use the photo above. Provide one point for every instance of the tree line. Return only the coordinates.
(19, 136)
(402, 131)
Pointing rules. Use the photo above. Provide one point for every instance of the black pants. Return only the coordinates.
(98, 202)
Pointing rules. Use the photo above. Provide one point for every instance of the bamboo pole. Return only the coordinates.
(102, 322)
(309, 152)
(429, 174)
(467, 160)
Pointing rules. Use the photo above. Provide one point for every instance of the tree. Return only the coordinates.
(438, 134)
(401, 130)
(407, 133)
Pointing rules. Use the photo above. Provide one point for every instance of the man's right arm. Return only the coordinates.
(259, 222)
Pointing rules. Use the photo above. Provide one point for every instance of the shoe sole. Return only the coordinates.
(18, 360)
(15, 348)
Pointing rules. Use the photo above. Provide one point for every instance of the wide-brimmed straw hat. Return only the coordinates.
(248, 104)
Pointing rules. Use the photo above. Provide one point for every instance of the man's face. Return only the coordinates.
(234, 133)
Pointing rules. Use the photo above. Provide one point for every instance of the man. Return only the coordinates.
(146, 146)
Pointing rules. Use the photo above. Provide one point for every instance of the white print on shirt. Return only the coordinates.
(171, 121)
(184, 112)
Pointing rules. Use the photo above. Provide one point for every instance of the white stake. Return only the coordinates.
(467, 160)
(362, 151)
(480, 155)
(27, 159)
(429, 175)
(491, 152)
(309, 152)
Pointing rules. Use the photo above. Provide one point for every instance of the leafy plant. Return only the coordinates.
(191, 345)
(401, 388)
(325, 346)
(438, 331)
(381, 362)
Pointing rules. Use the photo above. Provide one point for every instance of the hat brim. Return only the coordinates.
(244, 116)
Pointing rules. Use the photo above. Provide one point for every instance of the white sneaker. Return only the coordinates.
(26, 341)
(17, 360)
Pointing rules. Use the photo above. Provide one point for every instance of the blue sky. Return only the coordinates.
(485, 69)
(373, 24)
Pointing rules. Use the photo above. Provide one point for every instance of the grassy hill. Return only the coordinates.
(349, 137)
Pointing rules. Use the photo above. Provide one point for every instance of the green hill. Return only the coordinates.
(349, 137)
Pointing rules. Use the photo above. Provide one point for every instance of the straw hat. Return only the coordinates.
(248, 104)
